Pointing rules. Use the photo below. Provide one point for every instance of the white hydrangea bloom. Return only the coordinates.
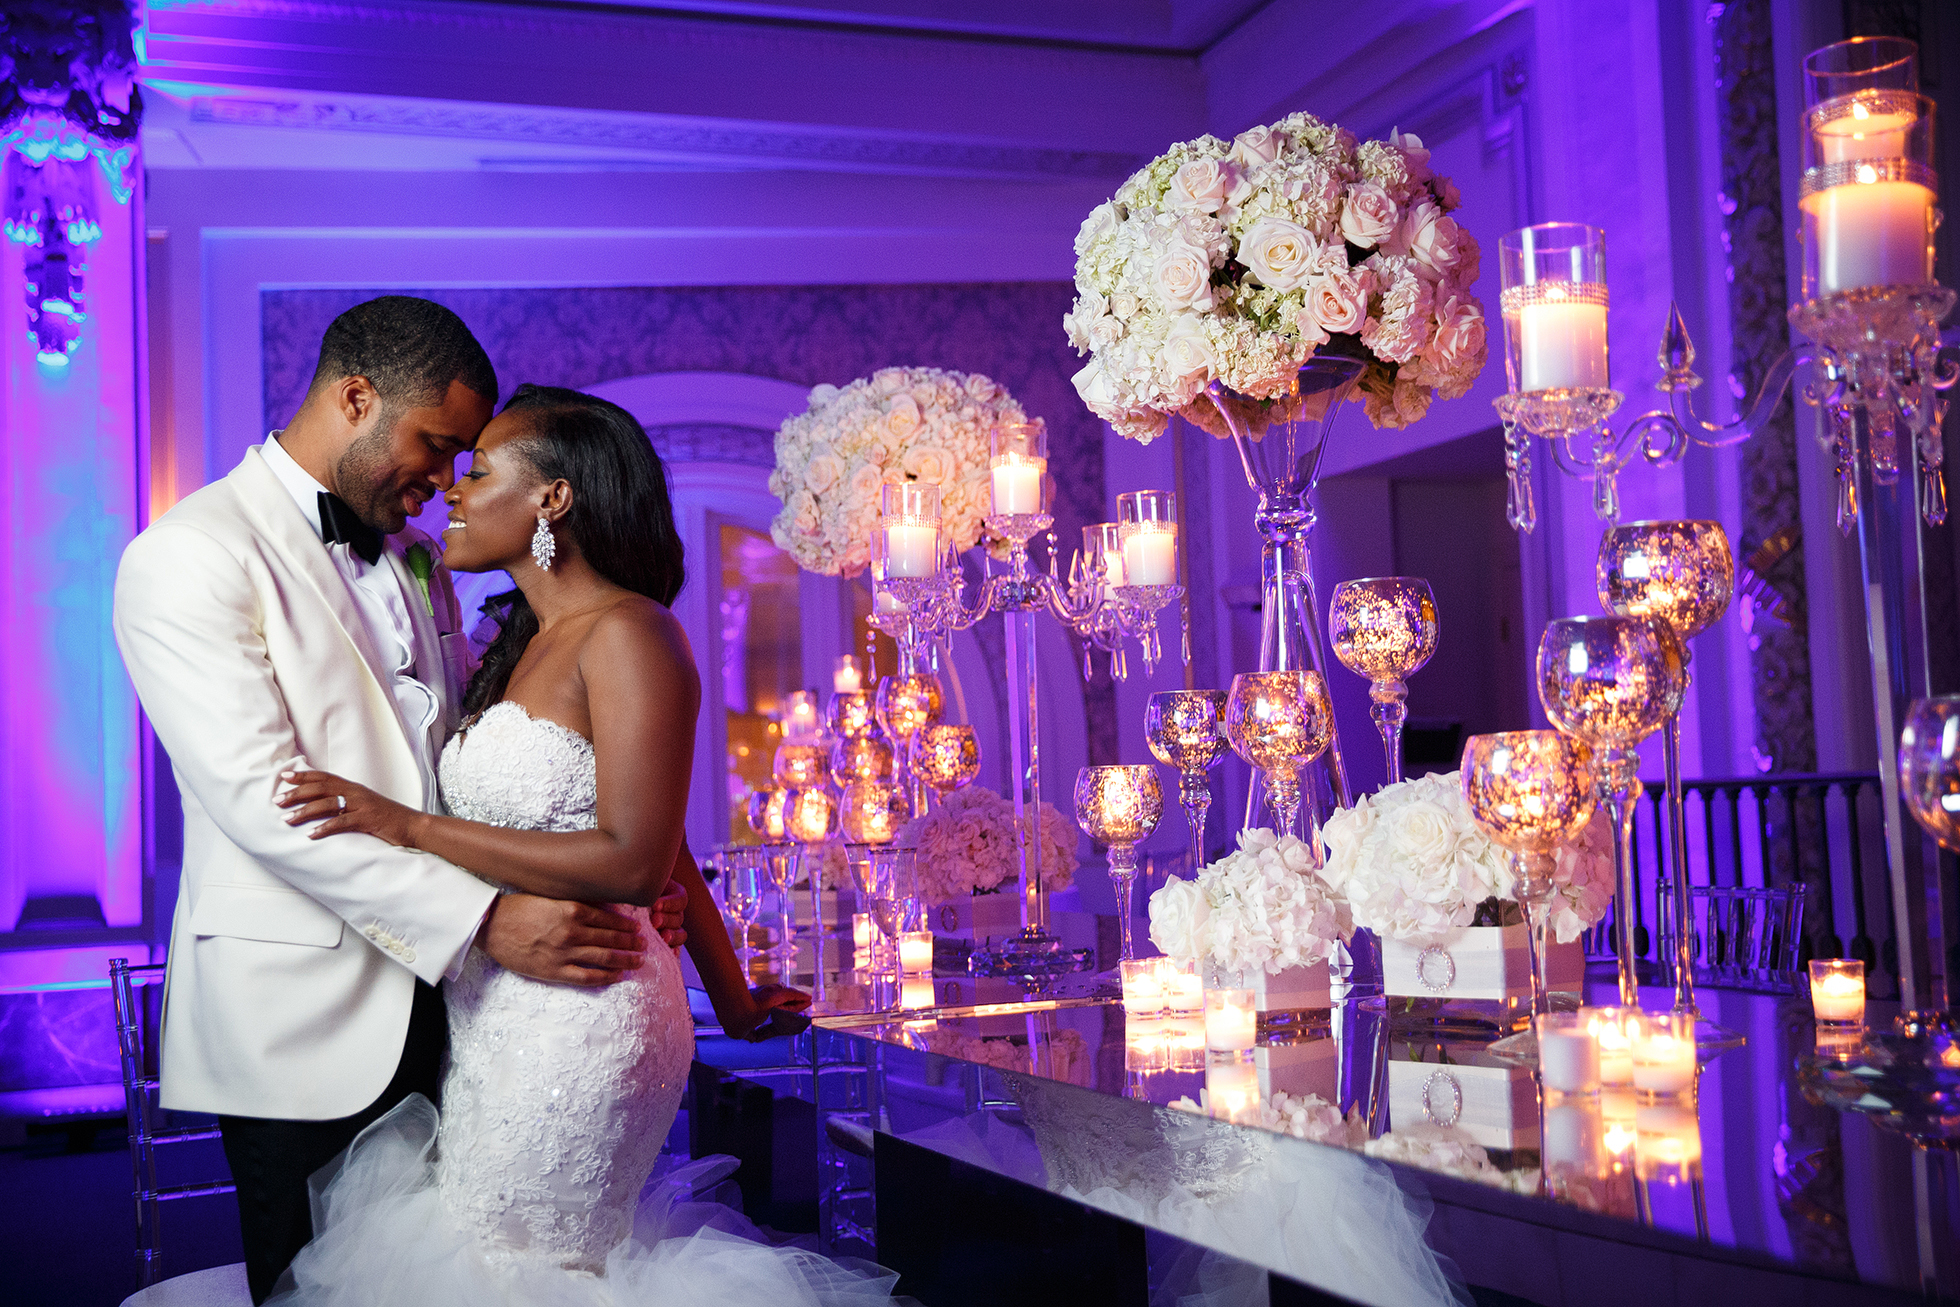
(1264, 907)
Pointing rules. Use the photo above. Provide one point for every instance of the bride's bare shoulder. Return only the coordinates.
(641, 635)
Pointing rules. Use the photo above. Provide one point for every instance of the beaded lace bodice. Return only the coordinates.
(557, 1097)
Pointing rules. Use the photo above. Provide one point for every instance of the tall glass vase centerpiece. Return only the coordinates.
(1252, 287)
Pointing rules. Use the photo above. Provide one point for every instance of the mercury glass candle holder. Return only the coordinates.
(1186, 730)
(905, 703)
(1119, 806)
(765, 812)
(944, 756)
(1611, 681)
(1279, 722)
(1384, 628)
(1683, 574)
(872, 811)
(1530, 791)
(801, 766)
(852, 714)
(862, 758)
(1929, 767)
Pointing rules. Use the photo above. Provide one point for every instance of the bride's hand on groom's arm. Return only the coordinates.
(342, 807)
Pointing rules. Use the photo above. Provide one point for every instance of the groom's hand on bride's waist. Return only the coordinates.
(568, 943)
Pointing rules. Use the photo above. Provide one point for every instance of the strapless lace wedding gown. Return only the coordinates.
(528, 1189)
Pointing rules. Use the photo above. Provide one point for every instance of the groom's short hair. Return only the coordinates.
(409, 349)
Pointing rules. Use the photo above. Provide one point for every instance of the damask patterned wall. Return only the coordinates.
(1010, 331)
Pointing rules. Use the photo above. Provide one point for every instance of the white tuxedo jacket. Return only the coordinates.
(250, 657)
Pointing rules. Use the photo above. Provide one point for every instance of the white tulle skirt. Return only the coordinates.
(383, 1237)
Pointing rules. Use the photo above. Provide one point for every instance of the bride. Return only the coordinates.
(569, 779)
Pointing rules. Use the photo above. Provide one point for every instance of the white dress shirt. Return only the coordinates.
(383, 608)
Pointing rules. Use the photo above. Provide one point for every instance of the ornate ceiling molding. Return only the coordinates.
(664, 138)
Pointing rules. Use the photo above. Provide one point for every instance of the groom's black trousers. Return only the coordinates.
(271, 1160)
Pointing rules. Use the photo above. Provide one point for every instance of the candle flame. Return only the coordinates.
(1867, 174)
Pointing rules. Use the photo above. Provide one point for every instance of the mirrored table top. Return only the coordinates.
(1331, 1144)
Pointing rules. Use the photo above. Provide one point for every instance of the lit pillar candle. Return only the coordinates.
(1664, 1053)
(915, 993)
(1871, 233)
(1150, 557)
(1230, 1023)
(911, 551)
(1184, 991)
(1562, 343)
(1017, 486)
(1609, 1027)
(1143, 990)
(1232, 1090)
(1568, 1053)
(862, 933)
(915, 952)
(1837, 991)
(847, 679)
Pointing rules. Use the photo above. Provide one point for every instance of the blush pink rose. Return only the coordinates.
(1206, 185)
(1368, 215)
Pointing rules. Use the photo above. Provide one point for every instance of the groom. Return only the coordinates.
(284, 618)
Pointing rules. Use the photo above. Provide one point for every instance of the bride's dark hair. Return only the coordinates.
(621, 516)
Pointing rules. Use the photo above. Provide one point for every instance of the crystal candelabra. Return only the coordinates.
(1384, 628)
(1125, 574)
(1530, 791)
(1682, 574)
(1868, 208)
(1611, 682)
(1186, 730)
(1118, 806)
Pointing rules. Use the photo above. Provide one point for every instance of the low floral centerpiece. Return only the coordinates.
(897, 425)
(1262, 915)
(1234, 261)
(966, 852)
(1416, 869)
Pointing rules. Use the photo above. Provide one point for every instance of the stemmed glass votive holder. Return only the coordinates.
(1186, 730)
(1530, 791)
(1611, 681)
(1279, 722)
(1683, 574)
(1119, 806)
(1384, 628)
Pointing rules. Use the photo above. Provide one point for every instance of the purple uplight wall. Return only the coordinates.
(70, 778)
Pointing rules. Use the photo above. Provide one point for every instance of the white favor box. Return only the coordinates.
(979, 916)
(1496, 1104)
(1486, 962)
(1311, 1066)
(1296, 989)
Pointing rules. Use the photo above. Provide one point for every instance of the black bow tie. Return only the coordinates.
(340, 525)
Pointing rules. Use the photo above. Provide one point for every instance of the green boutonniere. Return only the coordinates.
(423, 564)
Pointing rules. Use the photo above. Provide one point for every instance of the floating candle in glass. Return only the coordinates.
(1143, 989)
(1231, 1021)
(1568, 1053)
(915, 952)
(1184, 989)
(1611, 1027)
(1837, 992)
(1664, 1052)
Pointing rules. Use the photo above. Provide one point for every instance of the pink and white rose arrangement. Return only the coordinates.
(1263, 907)
(966, 845)
(1414, 866)
(1234, 261)
(898, 424)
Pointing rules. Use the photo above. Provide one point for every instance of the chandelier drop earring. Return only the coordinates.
(543, 547)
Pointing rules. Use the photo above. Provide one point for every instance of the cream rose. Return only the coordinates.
(1278, 253)
(1204, 184)
(822, 472)
(1187, 352)
(1432, 239)
(1255, 146)
(1337, 302)
(928, 463)
(1460, 333)
(1180, 919)
(902, 418)
(1368, 215)
(1421, 832)
(1182, 277)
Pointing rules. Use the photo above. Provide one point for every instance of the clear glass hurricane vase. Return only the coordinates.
(1280, 442)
